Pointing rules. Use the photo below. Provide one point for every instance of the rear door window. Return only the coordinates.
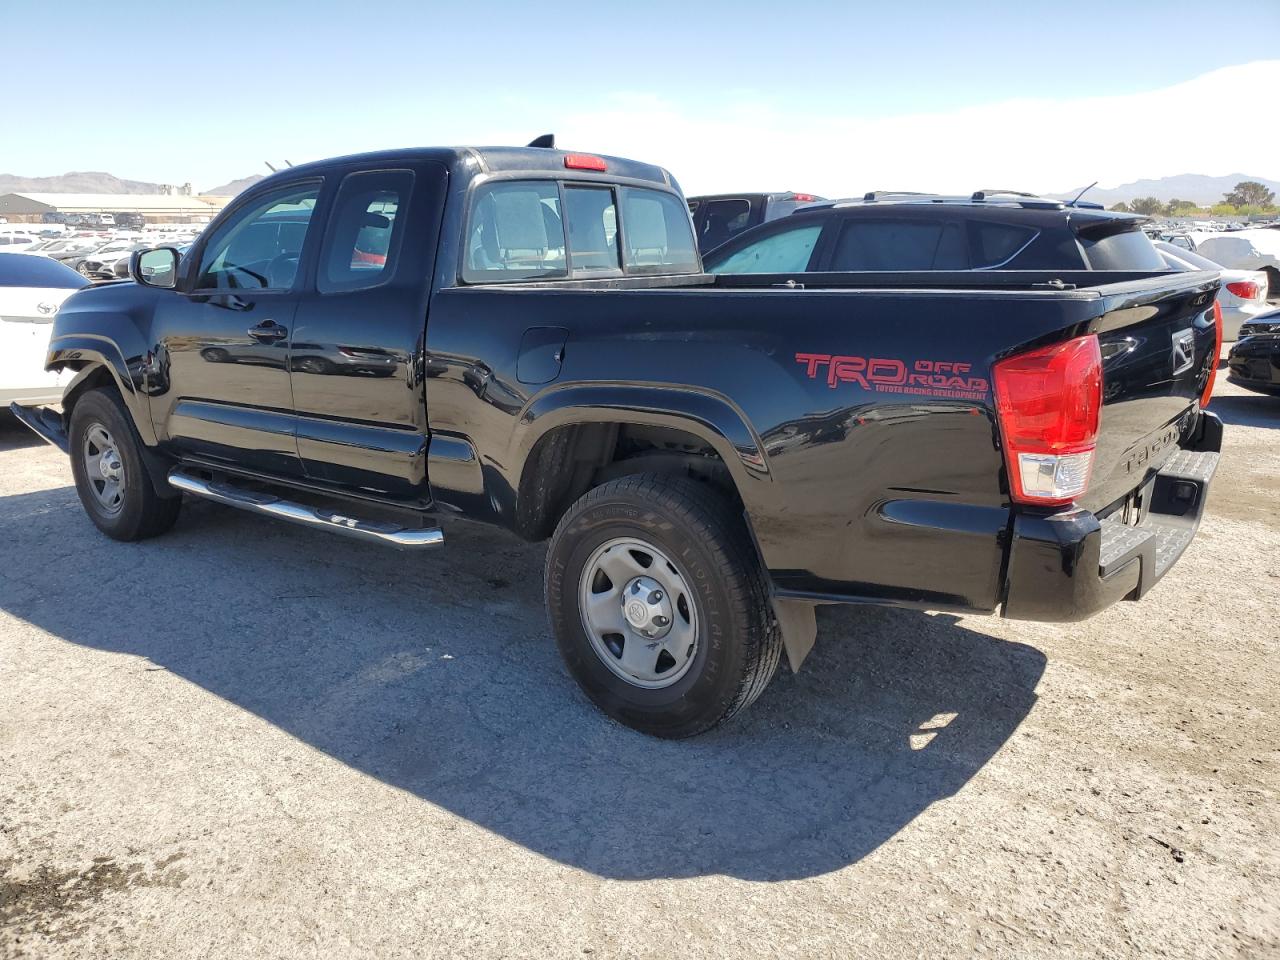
(787, 251)
(893, 245)
(515, 233)
(657, 234)
(365, 230)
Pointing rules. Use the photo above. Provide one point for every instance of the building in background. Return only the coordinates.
(155, 208)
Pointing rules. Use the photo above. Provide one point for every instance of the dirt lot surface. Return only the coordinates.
(246, 740)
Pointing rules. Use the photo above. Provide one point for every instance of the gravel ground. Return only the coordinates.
(247, 740)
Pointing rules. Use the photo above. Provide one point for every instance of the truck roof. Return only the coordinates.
(498, 159)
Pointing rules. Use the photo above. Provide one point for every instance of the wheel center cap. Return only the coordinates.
(647, 607)
(109, 466)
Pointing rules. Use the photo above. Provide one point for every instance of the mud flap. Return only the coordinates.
(799, 626)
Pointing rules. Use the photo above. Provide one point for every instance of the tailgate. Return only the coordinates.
(1158, 340)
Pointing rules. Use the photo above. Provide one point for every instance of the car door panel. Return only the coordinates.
(356, 355)
(224, 343)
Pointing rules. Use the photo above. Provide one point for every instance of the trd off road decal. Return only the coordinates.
(926, 378)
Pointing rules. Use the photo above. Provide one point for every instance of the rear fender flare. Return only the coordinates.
(709, 416)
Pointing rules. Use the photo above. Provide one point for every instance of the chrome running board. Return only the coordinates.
(269, 505)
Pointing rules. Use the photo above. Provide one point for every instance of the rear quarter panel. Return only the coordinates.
(866, 453)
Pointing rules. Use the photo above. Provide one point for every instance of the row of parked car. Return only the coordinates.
(95, 255)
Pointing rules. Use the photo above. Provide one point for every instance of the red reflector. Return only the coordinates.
(1245, 289)
(1049, 402)
(584, 161)
(804, 197)
(1214, 357)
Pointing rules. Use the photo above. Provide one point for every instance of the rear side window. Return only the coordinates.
(365, 230)
(656, 232)
(515, 233)
(996, 244)
(787, 251)
(721, 221)
(891, 245)
(1128, 250)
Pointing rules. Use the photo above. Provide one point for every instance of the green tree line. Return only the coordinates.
(1248, 198)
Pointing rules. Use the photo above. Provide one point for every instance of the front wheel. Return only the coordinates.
(659, 605)
(111, 478)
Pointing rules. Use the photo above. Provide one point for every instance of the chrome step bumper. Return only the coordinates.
(269, 505)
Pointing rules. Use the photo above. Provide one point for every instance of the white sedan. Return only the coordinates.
(1242, 296)
(32, 289)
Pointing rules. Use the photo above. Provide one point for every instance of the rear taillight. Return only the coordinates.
(1049, 402)
(1246, 289)
(1213, 357)
(804, 197)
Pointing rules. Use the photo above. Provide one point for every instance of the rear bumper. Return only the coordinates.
(1069, 565)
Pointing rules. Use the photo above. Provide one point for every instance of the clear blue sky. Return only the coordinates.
(186, 90)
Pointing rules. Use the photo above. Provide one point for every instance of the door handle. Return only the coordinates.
(268, 330)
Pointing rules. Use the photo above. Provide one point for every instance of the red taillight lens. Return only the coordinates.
(1245, 289)
(1214, 357)
(584, 161)
(1049, 402)
(804, 197)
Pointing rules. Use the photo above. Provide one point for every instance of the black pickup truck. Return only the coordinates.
(526, 337)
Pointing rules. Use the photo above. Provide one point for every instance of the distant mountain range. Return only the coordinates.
(86, 182)
(1195, 187)
(232, 188)
(94, 182)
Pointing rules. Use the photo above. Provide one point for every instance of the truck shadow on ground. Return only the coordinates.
(437, 675)
(1253, 410)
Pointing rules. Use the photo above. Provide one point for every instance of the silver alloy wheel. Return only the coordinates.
(103, 469)
(639, 613)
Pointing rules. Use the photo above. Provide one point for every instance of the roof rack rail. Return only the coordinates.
(874, 195)
(983, 194)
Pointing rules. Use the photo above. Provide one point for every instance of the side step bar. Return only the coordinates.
(269, 505)
(45, 422)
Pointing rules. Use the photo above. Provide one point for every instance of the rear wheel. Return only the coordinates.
(659, 605)
(111, 478)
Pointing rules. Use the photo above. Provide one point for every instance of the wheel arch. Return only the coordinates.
(99, 362)
(561, 430)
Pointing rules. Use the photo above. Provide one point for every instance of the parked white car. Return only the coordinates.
(17, 242)
(1255, 249)
(32, 290)
(1242, 296)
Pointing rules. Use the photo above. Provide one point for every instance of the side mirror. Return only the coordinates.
(155, 268)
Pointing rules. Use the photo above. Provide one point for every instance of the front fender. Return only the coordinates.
(106, 327)
(89, 355)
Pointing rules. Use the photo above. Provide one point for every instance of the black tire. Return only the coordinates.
(141, 513)
(738, 645)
